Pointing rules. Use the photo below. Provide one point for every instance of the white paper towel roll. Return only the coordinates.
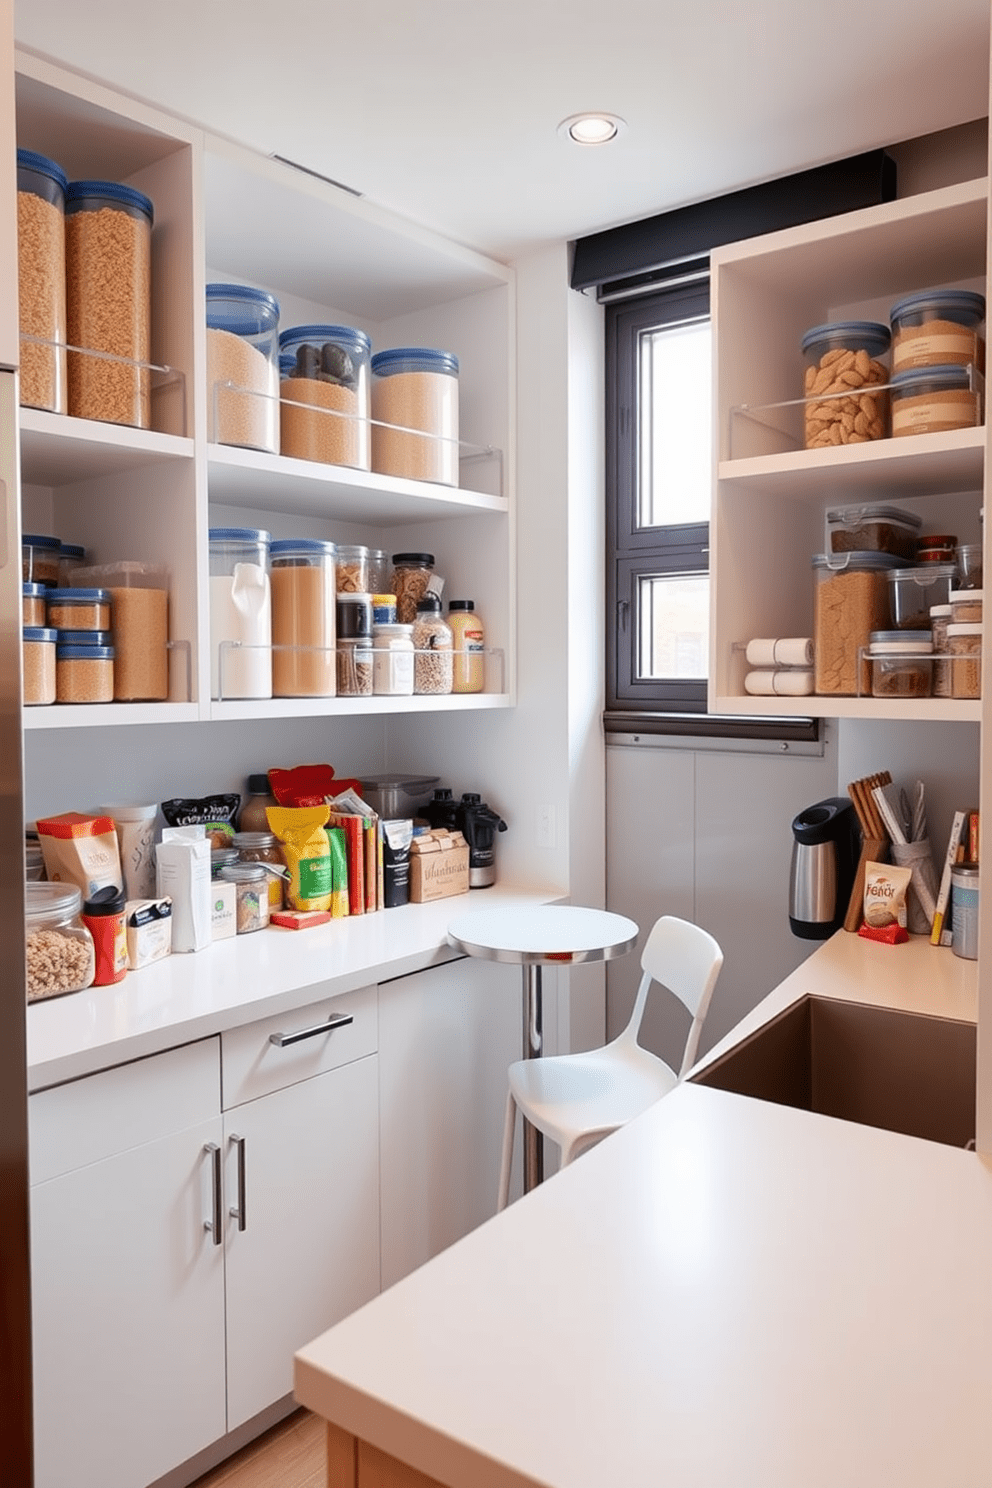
(786, 683)
(791, 651)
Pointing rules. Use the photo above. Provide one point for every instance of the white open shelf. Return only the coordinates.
(104, 715)
(921, 710)
(57, 450)
(918, 465)
(346, 707)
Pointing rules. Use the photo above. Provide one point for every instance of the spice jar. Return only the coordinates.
(240, 613)
(969, 561)
(850, 600)
(901, 663)
(59, 947)
(103, 916)
(79, 609)
(966, 606)
(40, 559)
(415, 414)
(139, 600)
(251, 895)
(303, 610)
(964, 645)
(84, 674)
(379, 570)
(470, 646)
(330, 374)
(930, 400)
(383, 609)
(352, 569)
(940, 618)
(41, 189)
(243, 366)
(937, 327)
(913, 590)
(433, 670)
(33, 604)
(39, 664)
(842, 359)
(108, 301)
(261, 847)
(411, 575)
(392, 667)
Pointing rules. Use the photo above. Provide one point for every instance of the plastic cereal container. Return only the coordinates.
(851, 599)
(41, 189)
(40, 559)
(330, 374)
(966, 606)
(842, 360)
(33, 604)
(79, 609)
(901, 663)
(303, 610)
(964, 645)
(938, 327)
(139, 605)
(243, 366)
(84, 674)
(415, 414)
(912, 591)
(59, 947)
(930, 400)
(39, 664)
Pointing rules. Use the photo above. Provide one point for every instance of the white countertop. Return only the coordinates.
(186, 997)
(724, 1294)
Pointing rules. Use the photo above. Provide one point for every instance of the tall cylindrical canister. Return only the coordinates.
(965, 884)
(243, 366)
(303, 605)
(41, 189)
(240, 613)
(108, 245)
(103, 916)
(330, 375)
(470, 646)
(415, 414)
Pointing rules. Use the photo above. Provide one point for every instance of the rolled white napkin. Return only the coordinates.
(785, 683)
(785, 651)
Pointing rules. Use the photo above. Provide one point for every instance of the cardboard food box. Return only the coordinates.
(438, 866)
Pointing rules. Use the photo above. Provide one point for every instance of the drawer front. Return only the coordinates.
(102, 1115)
(294, 1046)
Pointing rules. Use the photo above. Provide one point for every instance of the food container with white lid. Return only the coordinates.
(966, 606)
(38, 645)
(842, 360)
(964, 645)
(243, 366)
(880, 529)
(901, 663)
(392, 665)
(108, 245)
(415, 414)
(850, 600)
(933, 400)
(40, 559)
(33, 604)
(59, 948)
(913, 590)
(41, 189)
(938, 327)
(330, 374)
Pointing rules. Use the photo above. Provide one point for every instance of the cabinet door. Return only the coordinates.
(128, 1315)
(309, 1250)
(446, 1038)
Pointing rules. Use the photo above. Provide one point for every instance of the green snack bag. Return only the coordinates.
(339, 872)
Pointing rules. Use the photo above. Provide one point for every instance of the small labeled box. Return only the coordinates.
(438, 866)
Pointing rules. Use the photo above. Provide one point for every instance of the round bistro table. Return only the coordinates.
(532, 937)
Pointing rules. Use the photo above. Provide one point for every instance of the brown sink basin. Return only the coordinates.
(904, 1072)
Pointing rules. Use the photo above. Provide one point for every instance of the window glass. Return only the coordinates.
(673, 626)
(674, 424)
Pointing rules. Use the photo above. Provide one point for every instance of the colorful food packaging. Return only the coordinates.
(885, 903)
(307, 853)
(81, 850)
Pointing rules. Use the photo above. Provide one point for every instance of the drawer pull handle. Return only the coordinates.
(240, 1213)
(281, 1040)
(213, 1226)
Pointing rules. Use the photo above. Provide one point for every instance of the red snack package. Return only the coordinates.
(308, 785)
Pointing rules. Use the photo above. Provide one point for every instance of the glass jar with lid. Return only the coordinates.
(108, 247)
(433, 644)
(380, 569)
(60, 956)
(240, 613)
(330, 376)
(842, 360)
(262, 847)
(243, 366)
(392, 667)
(251, 893)
(41, 189)
(352, 569)
(930, 400)
(303, 607)
(938, 327)
(411, 575)
(354, 653)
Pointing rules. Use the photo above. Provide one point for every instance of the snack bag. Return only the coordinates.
(885, 903)
(81, 850)
(307, 785)
(216, 814)
(307, 854)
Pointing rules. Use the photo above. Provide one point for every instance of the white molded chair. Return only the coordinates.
(577, 1099)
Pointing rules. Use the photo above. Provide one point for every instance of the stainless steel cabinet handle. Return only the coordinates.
(240, 1213)
(281, 1040)
(214, 1225)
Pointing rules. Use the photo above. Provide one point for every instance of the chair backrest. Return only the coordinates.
(686, 960)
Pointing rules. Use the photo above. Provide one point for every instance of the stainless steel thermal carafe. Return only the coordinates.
(822, 868)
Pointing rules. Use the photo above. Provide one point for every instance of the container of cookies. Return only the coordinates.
(843, 360)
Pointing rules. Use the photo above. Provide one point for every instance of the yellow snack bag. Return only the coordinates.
(300, 829)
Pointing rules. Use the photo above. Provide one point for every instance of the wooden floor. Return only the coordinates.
(291, 1455)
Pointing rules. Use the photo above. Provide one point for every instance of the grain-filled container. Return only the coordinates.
(84, 674)
(351, 563)
(912, 591)
(433, 644)
(59, 947)
(938, 327)
(330, 374)
(873, 528)
(39, 643)
(901, 663)
(40, 559)
(78, 609)
(139, 607)
(354, 645)
(243, 366)
(843, 359)
(415, 414)
(411, 575)
(41, 189)
(850, 600)
(964, 646)
(108, 233)
(302, 577)
(240, 613)
(931, 400)
(966, 606)
(33, 604)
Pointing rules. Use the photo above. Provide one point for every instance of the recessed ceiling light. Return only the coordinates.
(592, 129)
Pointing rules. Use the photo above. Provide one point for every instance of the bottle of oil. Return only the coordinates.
(258, 799)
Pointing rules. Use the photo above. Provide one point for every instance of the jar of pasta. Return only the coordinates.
(41, 189)
(411, 575)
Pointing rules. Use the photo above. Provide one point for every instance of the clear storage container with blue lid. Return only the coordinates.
(72, 557)
(84, 674)
(933, 400)
(240, 613)
(938, 327)
(243, 366)
(40, 559)
(843, 359)
(108, 301)
(330, 374)
(33, 604)
(79, 609)
(303, 617)
(41, 189)
(39, 642)
(415, 414)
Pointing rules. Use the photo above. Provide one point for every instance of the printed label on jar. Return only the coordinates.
(919, 349)
(931, 413)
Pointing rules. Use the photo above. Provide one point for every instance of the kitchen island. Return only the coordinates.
(726, 1292)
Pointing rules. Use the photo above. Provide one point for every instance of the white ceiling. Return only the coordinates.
(446, 111)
